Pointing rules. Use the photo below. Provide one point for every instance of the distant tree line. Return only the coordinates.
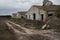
(5, 17)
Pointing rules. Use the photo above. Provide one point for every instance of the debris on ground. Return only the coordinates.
(53, 22)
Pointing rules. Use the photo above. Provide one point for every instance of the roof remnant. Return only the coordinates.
(22, 13)
(48, 8)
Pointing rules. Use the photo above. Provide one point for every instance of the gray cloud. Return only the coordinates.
(10, 6)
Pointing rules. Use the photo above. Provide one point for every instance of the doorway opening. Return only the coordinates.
(50, 14)
(42, 17)
(34, 16)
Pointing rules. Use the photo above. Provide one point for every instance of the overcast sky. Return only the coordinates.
(10, 6)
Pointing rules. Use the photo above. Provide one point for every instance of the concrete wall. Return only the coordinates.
(13, 15)
(38, 13)
(33, 10)
(18, 15)
(44, 14)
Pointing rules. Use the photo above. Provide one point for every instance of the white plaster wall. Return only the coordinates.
(44, 13)
(31, 12)
(38, 13)
(18, 15)
(13, 16)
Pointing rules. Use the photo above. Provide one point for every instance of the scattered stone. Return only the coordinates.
(44, 26)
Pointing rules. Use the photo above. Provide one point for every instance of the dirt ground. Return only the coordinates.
(5, 34)
(33, 34)
(44, 35)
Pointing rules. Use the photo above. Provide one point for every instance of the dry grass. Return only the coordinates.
(28, 23)
(5, 34)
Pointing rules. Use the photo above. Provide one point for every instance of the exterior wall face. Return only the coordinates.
(32, 11)
(18, 15)
(13, 15)
(42, 12)
(27, 16)
(37, 12)
(31, 16)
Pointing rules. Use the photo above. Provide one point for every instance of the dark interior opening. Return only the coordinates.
(42, 16)
(50, 14)
(22, 17)
(34, 16)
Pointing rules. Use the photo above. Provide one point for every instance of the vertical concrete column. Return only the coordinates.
(46, 15)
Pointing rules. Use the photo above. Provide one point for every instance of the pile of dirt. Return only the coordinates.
(54, 22)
